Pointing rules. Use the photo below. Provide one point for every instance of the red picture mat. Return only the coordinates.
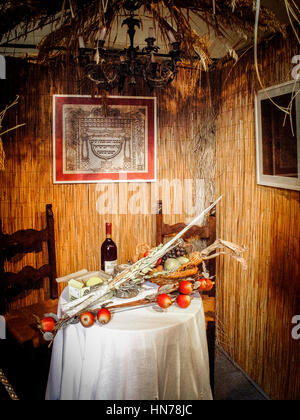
(60, 175)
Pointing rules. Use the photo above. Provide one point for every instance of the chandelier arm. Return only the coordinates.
(160, 75)
(98, 75)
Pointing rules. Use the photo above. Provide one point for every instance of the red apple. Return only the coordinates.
(183, 300)
(47, 324)
(158, 262)
(209, 285)
(202, 286)
(205, 285)
(103, 316)
(87, 319)
(164, 300)
(186, 287)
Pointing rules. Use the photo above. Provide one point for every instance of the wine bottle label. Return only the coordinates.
(109, 266)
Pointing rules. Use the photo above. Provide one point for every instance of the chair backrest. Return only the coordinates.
(206, 233)
(23, 242)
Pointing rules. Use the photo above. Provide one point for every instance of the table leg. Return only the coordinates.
(211, 333)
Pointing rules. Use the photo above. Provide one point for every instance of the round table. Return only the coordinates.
(141, 354)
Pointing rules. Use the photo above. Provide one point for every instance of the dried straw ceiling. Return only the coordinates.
(209, 28)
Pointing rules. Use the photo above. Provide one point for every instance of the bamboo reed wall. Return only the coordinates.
(27, 182)
(255, 308)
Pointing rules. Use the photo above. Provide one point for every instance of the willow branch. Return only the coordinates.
(10, 129)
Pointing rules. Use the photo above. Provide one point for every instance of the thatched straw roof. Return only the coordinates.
(74, 18)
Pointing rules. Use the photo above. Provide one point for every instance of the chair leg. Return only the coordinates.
(211, 335)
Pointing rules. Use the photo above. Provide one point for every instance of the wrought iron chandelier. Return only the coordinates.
(109, 68)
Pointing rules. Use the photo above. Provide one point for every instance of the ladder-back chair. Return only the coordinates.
(21, 322)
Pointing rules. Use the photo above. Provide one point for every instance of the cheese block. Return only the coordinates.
(76, 289)
(93, 281)
(75, 283)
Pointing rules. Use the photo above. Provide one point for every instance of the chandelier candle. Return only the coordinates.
(81, 42)
(171, 37)
(109, 253)
(151, 33)
(102, 34)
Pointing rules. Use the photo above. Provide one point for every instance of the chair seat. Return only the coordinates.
(21, 323)
(209, 305)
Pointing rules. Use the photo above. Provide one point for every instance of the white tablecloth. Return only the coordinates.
(141, 354)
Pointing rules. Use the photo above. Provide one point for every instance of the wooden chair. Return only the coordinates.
(21, 323)
(206, 233)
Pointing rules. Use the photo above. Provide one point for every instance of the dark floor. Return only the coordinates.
(233, 384)
(31, 369)
(26, 369)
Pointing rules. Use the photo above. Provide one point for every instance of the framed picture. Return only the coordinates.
(111, 139)
(278, 136)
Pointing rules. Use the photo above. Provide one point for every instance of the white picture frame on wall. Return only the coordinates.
(278, 136)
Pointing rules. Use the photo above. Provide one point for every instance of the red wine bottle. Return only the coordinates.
(109, 252)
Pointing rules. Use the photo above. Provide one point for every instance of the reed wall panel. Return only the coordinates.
(255, 307)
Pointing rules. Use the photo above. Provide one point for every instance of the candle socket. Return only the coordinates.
(150, 41)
